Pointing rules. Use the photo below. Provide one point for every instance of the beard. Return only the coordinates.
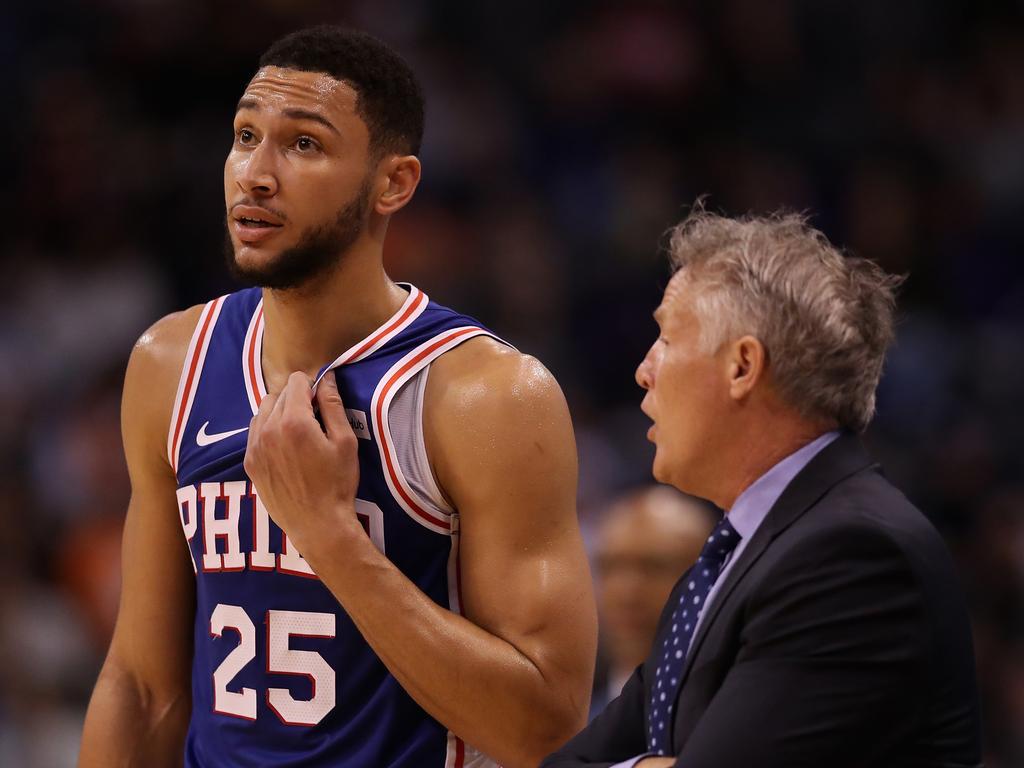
(318, 250)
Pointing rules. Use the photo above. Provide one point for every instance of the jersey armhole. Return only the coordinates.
(188, 382)
(405, 422)
(425, 504)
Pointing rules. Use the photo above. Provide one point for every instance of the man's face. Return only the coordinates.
(641, 553)
(687, 394)
(297, 180)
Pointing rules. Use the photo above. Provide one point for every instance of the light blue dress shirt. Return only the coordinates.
(746, 516)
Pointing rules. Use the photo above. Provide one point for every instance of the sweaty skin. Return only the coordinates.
(140, 708)
(497, 432)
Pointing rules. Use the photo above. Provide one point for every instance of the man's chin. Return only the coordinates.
(253, 266)
(249, 258)
(659, 468)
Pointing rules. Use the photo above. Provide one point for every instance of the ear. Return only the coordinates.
(747, 364)
(400, 175)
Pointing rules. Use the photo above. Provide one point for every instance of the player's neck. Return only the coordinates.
(309, 327)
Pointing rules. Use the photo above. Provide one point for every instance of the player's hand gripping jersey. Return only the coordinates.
(281, 676)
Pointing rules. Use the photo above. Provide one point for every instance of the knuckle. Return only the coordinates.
(292, 427)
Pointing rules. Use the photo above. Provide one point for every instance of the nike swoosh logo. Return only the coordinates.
(203, 439)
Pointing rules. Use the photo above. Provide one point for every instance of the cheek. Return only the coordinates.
(317, 192)
(231, 169)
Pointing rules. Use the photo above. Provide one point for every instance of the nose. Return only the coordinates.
(645, 372)
(257, 174)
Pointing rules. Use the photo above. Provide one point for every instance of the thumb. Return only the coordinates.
(332, 409)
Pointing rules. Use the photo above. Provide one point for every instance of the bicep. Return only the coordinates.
(524, 569)
(152, 637)
(508, 463)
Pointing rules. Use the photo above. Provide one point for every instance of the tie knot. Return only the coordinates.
(721, 542)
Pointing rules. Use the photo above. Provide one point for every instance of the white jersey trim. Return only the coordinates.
(418, 508)
(406, 315)
(252, 360)
(188, 382)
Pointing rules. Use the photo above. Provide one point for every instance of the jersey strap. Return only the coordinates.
(190, 372)
(391, 383)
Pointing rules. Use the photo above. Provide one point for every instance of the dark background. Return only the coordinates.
(563, 138)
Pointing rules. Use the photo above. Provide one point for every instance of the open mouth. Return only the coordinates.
(253, 229)
(246, 221)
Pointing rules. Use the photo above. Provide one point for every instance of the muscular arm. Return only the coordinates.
(503, 451)
(140, 707)
(512, 677)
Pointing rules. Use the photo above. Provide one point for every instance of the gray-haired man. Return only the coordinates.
(822, 623)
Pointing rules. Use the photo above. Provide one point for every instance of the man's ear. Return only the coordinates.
(747, 362)
(399, 179)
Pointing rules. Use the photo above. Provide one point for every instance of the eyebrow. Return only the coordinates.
(659, 315)
(294, 113)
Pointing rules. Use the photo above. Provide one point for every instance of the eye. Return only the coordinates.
(245, 136)
(306, 144)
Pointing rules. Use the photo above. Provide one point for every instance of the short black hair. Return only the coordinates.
(389, 98)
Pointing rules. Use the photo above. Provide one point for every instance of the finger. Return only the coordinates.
(263, 414)
(295, 409)
(296, 397)
(332, 409)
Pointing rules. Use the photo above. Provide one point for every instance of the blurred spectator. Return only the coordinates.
(645, 542)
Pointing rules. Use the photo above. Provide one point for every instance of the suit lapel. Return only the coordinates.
(837, 461)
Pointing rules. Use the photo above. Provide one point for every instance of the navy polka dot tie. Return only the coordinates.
(697, 582)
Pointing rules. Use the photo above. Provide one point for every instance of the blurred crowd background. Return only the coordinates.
(563, 138)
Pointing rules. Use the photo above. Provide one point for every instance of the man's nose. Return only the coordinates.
(257, 174)
(645, 372)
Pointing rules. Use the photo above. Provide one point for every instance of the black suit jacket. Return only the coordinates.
(840, 637)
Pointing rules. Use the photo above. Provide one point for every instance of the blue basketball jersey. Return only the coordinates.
(280, 674)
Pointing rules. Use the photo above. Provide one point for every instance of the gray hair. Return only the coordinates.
(824, 319)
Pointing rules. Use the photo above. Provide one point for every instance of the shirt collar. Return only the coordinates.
(752, 506)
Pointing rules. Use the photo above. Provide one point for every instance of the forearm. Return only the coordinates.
(480, 686)
(126, 726)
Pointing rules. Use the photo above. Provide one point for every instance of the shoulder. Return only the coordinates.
(151, 380)
(866, 507)
(491, 412)
(163, 345)
(865, 525)
(483, 378)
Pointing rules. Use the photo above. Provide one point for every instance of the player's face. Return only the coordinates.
(687, 394)
(297, 178)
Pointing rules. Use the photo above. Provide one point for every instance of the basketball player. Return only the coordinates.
(352, 538)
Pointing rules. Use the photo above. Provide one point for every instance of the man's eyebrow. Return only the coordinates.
(247, 102)
(659, 315)
(294, 113)
(305, 114)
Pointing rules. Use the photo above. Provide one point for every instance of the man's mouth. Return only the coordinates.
(252, 229)
(250, 222)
